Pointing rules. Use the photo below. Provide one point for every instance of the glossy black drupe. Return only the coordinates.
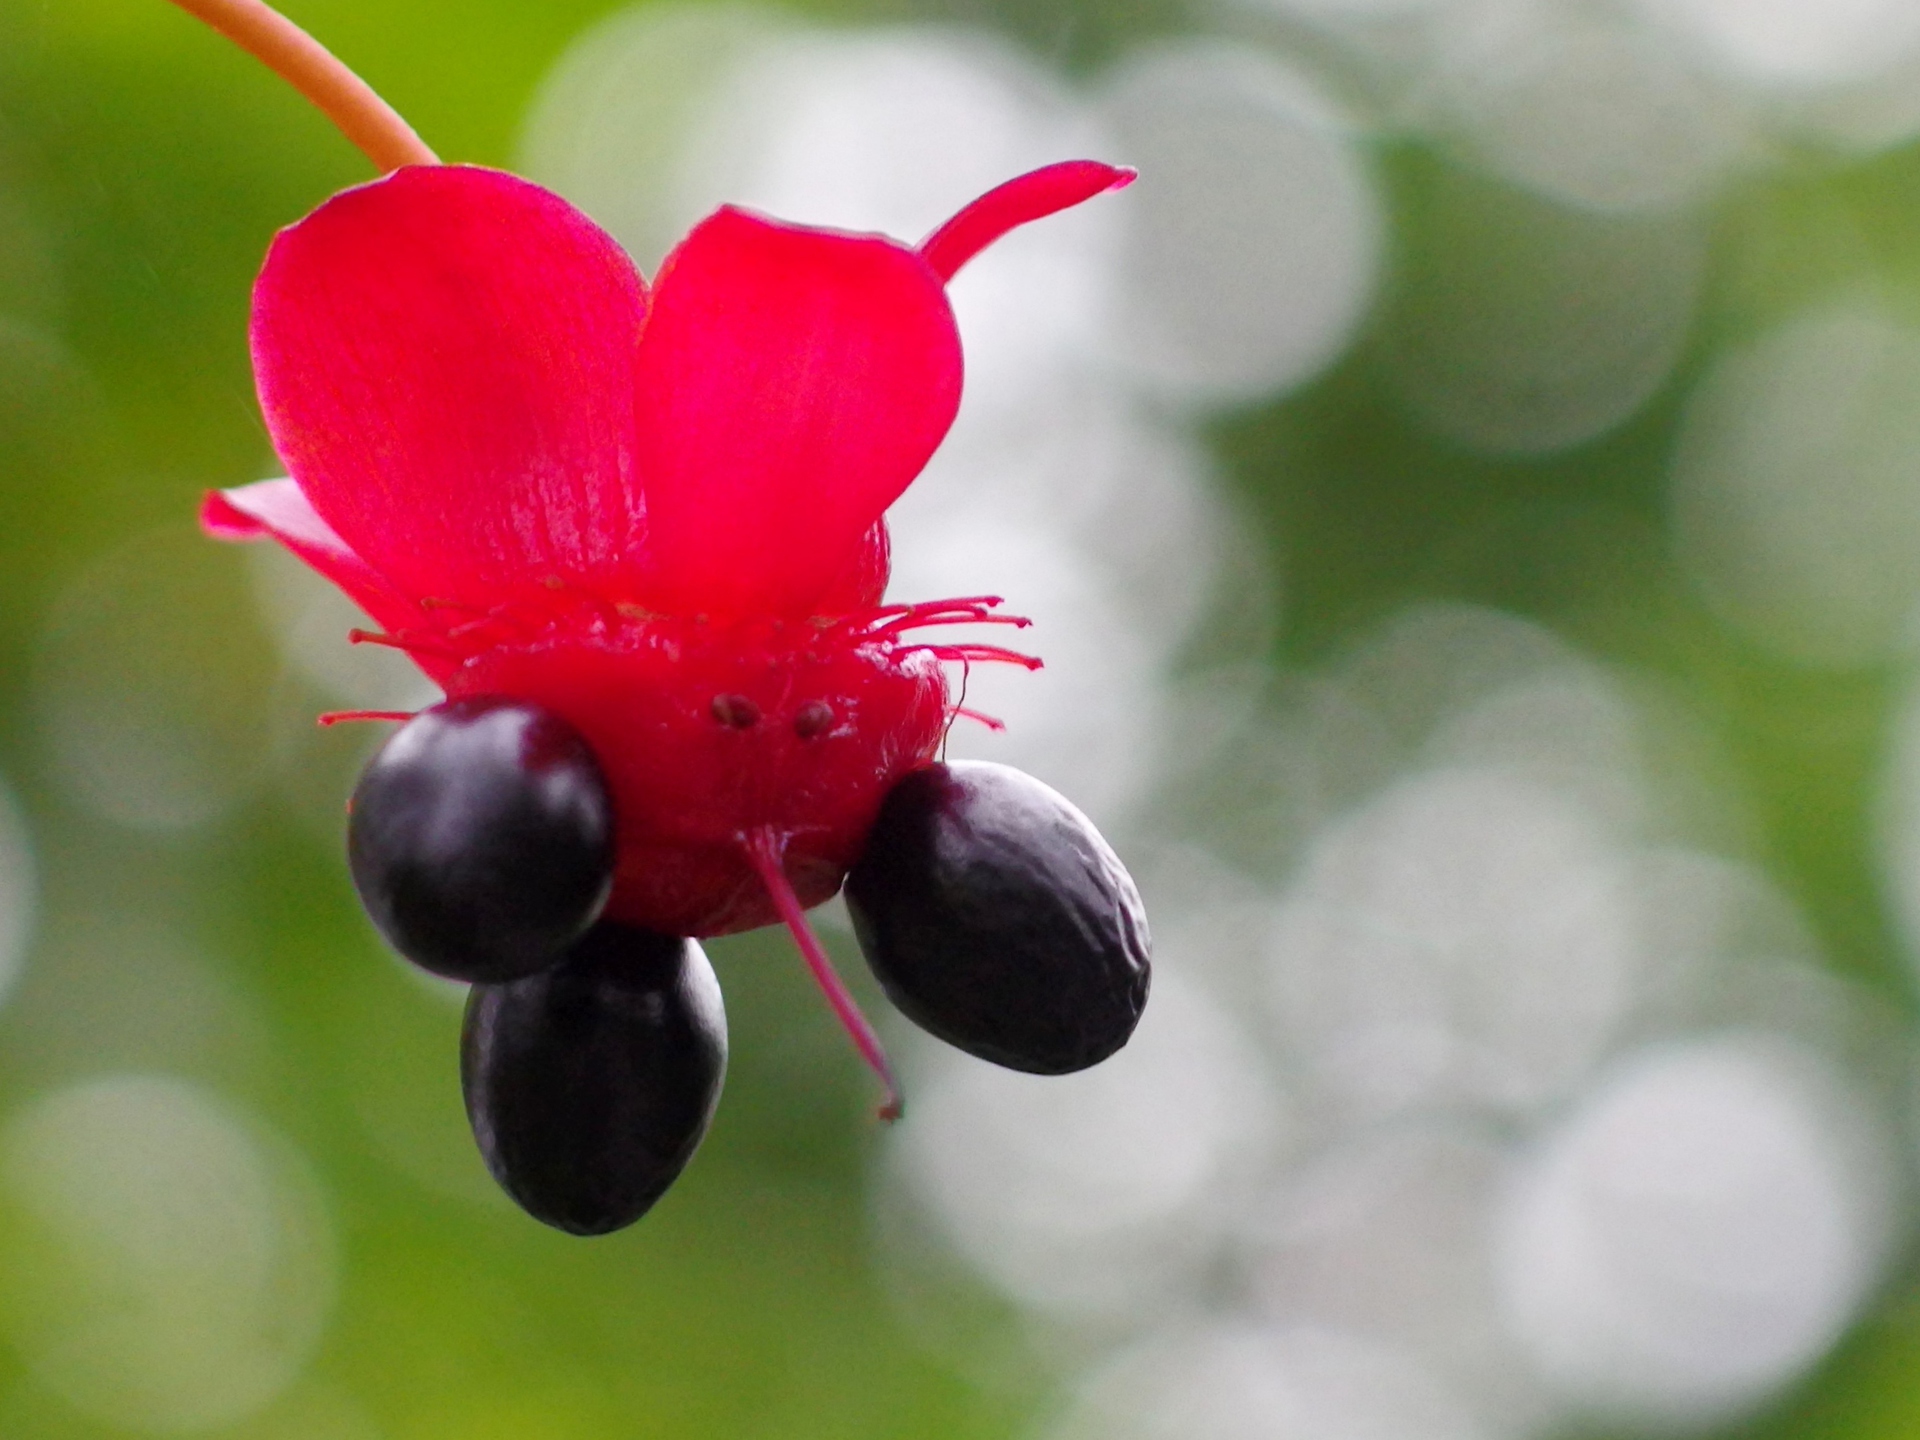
(590, 1086)
(996, 917)
(481, 839)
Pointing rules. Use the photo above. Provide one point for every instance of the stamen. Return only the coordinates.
(765, 852)
(959, 654)
(965, 617)
(1001, 654)
(341, 717)
(992, 723)
(888, 621)
(986, 602)
(373, 126)
(395, 642)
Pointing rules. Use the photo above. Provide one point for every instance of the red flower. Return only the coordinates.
(655, 511)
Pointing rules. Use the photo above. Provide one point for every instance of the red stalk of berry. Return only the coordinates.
(654, 511)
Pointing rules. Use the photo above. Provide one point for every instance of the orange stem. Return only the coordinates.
(307, 65)
(766, 852)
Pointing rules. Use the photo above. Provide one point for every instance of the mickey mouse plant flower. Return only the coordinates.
(636, 533)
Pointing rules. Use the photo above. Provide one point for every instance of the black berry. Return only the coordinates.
(481, 839)
(996, 917)
(590, 1086)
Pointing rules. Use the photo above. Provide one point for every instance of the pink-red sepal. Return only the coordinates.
(275, 509)
(792, 382)
(1021, 200)
(445, 359)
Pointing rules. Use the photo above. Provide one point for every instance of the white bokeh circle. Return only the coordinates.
(1099, 1194)
(1523, 326)
(171, 1264)
(1252, 243)
(1795, 507)
(1697, 1231)
(1239, 1381)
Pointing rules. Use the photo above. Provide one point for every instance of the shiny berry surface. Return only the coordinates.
(996, 917)
(481, 839)
(590, 1086)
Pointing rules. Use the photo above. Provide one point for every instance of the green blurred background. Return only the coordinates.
(238, 1198)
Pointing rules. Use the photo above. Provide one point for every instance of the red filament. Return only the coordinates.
(765, 851)
(991, 722)
(341, 717)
